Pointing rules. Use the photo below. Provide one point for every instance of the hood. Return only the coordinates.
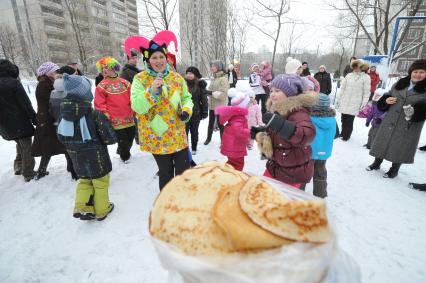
(323, 112)
(293, 103)
(323, 123)
(73, 110)
(7, 69)
(228, 112)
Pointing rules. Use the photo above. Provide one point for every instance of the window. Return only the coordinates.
(99, 12)
(101, 22)
(50, 23)
(100, 2)
(405, 65)
(103, 32)
(119, 18)
(412, 52)
(413, 33)
(419, 20)
(48, 10)
(118, 7)
(133, 23)
(133, 16)
(134, 31)
(120, 28)
(133, 2)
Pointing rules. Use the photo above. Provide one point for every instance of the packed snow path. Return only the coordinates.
(380, 222)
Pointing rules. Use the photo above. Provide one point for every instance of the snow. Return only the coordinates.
(379, 221)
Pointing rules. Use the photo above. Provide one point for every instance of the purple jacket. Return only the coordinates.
(375, 117)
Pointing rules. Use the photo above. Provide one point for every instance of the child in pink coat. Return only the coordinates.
(254, 115)
(236, 133)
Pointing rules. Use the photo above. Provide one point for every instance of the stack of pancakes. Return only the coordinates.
(213, 209)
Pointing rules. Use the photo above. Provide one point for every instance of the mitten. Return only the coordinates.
(184, 116)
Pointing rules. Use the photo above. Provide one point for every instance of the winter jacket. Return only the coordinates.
(289, 160)
(375, 117)
(129, 72)
(397, 139)
(325, 127)
(324, 81)
(219, 83)
(198, 92)
(254, 115)
(266, 73)
(375, 80)
(161, 131)
(56, 97)
(354, 93)
(17, 115)
(90, 158)
(236, 133)
(347, 70)
(234, 78)
(45, 142)
(255, 83)
(112, 97)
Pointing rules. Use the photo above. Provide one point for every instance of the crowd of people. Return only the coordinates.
(289, 115)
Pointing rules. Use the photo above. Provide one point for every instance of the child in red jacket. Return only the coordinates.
(236, 133)
(112, 97)
(286, 139)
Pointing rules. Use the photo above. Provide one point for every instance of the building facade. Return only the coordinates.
(48, 29)
(203, 28)
(415, 35)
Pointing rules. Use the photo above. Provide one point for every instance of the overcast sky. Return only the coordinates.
(317, 18)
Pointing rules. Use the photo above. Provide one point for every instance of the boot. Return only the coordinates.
(375, 165)
(209, 136)
(110, 209)
(419, 187)
(393, 171)
(422, 148)
(40, 174)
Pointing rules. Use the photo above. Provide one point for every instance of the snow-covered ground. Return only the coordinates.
(380, 222)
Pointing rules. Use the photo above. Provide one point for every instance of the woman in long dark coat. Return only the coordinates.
(46, 143)
(399, 133)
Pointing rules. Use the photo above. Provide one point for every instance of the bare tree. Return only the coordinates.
(160, 14)
(188, 36)
(272, 10)
(376, 18)
(9, 43)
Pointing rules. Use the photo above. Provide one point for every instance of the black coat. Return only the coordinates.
(46, 142)
(199, 98)
(128, 72)
(347, 70)
(17, 115)
(90, 158)
(324, 80)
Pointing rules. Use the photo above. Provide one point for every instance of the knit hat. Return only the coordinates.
(323, 102)
(322, 66)
(66, 70)
(291, 85)
(250, 93)
(77, 86)
(238, 98)
(109, 63)
(292, 66)
(254, 65)
(218, 64)
(417, 65)
(195, 71)
(47, 68)
(307, 84)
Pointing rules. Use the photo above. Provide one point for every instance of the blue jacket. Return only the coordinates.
(325, 125)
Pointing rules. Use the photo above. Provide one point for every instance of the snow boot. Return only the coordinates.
(419, 187)
(422, 148)
(40, 174)
(393, 171)
(103, 216)
(375, 165)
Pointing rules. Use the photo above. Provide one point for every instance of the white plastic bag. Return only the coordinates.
(295, 263)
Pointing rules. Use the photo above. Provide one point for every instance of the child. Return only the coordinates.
(289, 132)
(112, 97)
(375, 117)
(85, 133)
(265, 75)
(256, 86)
(324, 120)
(254, 115)
(236, 133)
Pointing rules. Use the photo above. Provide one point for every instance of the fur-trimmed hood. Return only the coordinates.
(323, 112)
(420, 87)
(227, 112)
(293, 103)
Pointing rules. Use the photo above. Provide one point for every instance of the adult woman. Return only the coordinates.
(324, 80)
(352, 96)
(305, 71)
(17, 117)
(399, 133)
(163, 105)
(197, 88)
(219, 96)
(46, 143)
